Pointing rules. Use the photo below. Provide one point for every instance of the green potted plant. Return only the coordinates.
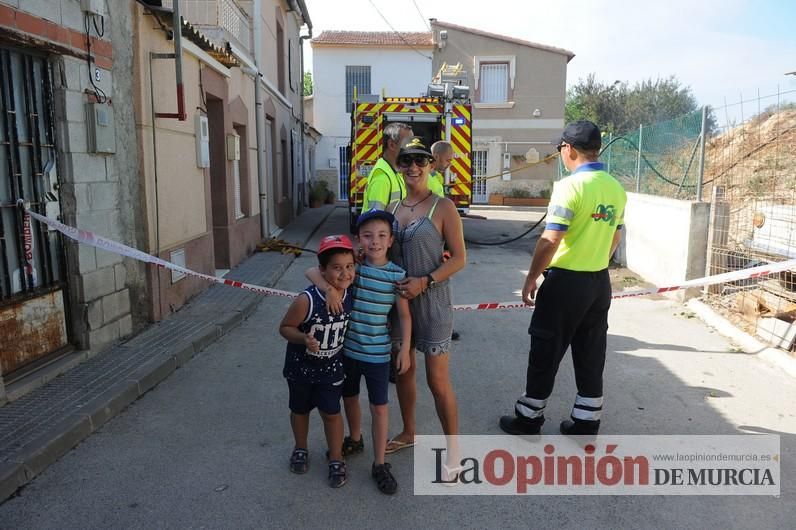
(319, 191)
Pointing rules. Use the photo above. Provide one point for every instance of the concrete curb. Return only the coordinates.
(748, 343)
(68, 432)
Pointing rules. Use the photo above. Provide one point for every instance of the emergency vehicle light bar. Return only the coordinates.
(411, 100)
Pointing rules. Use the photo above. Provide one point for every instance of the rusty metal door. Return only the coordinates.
(32, 300)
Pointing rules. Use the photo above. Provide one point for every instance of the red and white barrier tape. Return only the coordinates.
(89, 238)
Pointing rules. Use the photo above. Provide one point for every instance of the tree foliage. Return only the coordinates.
(618, 108)
(307, 89)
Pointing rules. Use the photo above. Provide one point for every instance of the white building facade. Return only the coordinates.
(380, 63)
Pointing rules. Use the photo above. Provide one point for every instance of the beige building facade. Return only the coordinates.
(94, 135)
(518, 92)
(210, 179)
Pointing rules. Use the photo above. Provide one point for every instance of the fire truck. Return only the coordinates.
(445, 113)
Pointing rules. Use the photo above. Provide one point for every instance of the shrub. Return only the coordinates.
(517, 193)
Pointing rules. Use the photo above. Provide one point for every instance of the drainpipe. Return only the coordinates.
(305, 16)
(301, 94)
(259, 119)
(177, 33)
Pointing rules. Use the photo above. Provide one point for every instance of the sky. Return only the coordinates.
(726, 51)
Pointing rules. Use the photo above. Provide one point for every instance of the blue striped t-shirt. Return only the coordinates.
(367, 338)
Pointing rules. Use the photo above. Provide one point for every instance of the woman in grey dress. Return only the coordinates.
(424, 225)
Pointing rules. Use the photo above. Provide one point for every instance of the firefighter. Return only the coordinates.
(443, 156)
(583, 229)
(385, 185)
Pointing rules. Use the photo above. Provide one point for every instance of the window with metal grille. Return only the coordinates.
(494, 82)
(30, 254)
(479, 172)
(356, 76)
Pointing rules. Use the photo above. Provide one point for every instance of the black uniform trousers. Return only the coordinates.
(571, 310)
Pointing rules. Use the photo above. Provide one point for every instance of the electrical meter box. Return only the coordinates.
(202, 141)
(101, 128)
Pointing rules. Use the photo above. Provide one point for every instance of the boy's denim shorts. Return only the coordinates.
(377, 379)
(306, 396)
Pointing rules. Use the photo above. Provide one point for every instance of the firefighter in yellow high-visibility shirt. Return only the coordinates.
(443, 156)
(385, 185)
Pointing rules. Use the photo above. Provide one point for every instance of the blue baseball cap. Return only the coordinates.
(374, 213)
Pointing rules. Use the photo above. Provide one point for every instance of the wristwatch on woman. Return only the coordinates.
(431, 281)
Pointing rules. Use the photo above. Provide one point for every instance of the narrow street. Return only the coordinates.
(209, 446)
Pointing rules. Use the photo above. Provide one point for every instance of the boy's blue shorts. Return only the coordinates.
(377, 379)
(306, 396)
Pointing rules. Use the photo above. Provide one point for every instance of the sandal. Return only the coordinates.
(452, 475)
(337, 473)
(299, 461)
(384, 479)
(394, 445)
(351, 447)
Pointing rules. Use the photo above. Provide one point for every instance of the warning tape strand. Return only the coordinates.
(94, 240)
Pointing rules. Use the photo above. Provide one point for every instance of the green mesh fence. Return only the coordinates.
(658, 159)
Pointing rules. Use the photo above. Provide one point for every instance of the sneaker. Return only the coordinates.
(521, 426)
(337, 473)
(384, 479)
(299, 461)
(575, 427)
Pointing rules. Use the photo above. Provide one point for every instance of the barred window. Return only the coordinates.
(30, 253)
(494, 82)
(356, 76)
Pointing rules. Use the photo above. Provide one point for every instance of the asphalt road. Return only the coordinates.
(208, 447)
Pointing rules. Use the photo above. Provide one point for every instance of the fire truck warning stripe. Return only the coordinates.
(366, 136)
(94, 240)
(461, 111)
(368, 152)
(458, 142)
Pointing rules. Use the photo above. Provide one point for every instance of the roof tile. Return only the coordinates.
(421, 39)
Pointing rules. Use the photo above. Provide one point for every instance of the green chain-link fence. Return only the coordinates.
(659, 159)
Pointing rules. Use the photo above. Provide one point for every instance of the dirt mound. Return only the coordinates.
(755, 160)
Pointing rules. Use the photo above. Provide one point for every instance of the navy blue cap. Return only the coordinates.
(373, 213)
(581, 133)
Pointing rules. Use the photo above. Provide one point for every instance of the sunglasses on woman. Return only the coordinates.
(405, 161)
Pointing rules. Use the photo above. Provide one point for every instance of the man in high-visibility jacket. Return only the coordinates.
(386, 185)
(584, 222)
(443, 156)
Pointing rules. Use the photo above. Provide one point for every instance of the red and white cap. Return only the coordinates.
(335, 241)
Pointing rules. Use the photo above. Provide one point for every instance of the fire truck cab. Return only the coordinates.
(444, 113)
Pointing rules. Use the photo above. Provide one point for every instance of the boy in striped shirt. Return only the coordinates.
(367, 345)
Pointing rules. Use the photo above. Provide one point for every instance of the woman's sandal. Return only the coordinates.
(452, 475)
(394, 445)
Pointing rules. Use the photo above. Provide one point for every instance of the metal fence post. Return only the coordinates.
(701, 174)
(610, 150)
(638, 159)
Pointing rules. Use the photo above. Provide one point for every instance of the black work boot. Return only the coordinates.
(520, 425)
(574, 427)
